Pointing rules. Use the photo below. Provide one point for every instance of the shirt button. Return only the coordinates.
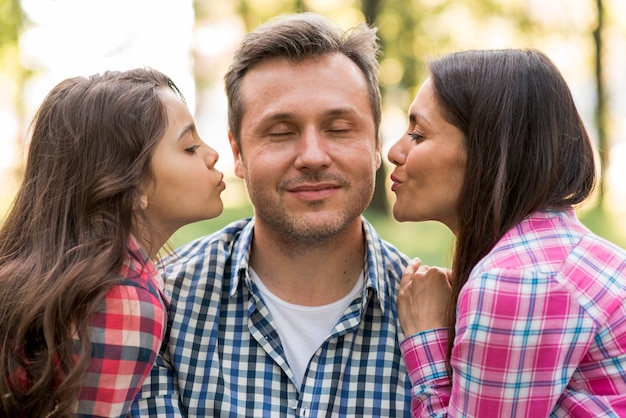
(293, 404)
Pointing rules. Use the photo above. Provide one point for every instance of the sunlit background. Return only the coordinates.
(45, 41)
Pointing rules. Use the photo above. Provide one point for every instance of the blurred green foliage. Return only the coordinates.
(430, 241)
(410, 32)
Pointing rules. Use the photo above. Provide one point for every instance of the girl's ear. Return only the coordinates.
(143, 201)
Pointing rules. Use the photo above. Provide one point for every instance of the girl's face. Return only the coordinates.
(186, 186)
(430, 164)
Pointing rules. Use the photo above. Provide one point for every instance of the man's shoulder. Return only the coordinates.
(383, 253)
(380, 246)
(209, 246)
(391, 251)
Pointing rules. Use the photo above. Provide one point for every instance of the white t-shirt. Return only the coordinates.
(303, 329)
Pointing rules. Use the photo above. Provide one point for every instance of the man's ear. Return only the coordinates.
(378, 156)
(236, 155)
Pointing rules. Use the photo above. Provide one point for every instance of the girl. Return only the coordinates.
(115, 166)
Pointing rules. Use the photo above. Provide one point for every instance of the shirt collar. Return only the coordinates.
(375, 271)
(241, 257)
(140, 261)
(376, 275)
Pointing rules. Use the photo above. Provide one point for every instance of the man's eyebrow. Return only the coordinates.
(342, 111)
(280, 116)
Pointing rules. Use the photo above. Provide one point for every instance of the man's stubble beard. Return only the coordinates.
(317, 227)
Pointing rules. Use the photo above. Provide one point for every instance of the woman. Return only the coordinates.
(531, 319)
(115, 166)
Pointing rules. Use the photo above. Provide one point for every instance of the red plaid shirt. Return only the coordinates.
(127, 332)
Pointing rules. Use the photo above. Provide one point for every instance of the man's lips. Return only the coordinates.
(314, 191)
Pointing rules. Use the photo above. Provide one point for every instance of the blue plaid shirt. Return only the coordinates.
(224, 357)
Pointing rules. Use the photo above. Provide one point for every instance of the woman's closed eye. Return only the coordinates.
(415, 136)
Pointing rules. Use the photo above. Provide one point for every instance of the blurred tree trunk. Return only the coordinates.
(301, 6)
(379, 204)
(11, 27)
(600, 109)
(370, 10)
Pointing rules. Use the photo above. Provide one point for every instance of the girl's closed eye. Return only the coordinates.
(192, 150)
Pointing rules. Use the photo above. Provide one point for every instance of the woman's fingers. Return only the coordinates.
(423, 297)
(409, 271)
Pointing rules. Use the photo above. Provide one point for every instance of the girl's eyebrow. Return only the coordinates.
(185, 130)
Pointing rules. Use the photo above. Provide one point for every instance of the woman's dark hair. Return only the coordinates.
(66, 236)
(527, 147)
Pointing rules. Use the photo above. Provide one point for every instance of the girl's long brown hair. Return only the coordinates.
(66, 235)
(527, 147)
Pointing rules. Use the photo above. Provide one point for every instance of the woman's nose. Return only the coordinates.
(396, 154)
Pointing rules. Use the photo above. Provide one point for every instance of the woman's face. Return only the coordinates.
(430, 164)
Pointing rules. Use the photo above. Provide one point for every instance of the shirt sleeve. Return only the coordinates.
(159, 396)
(127, 332)
(519, 339)
(424, 354)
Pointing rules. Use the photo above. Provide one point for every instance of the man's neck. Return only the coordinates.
(318, 276)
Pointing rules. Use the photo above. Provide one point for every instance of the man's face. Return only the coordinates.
(309, 149)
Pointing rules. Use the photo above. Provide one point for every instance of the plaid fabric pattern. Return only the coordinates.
(224, 357)
(541, 330)
(127, 331)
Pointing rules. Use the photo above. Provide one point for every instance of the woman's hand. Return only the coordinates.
(423, 298)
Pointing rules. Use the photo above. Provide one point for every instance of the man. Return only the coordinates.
(292, 312)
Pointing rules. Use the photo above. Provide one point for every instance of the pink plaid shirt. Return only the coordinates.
(541, 330)
(127, 332)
